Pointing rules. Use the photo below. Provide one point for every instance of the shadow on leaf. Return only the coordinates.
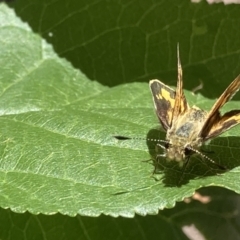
(224, 151)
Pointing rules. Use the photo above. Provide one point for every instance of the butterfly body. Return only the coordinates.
(184, 133)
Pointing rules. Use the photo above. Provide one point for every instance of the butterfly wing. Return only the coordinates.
(181, 104)
(164, 101)
(217, 124)
(169, 103)
(227, 121)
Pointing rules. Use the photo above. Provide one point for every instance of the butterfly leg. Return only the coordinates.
(183, 170)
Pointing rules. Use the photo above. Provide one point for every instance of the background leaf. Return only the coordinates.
(58, 154)
(116, 42)
(213, 215)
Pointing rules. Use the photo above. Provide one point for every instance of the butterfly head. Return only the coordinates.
(177, 153)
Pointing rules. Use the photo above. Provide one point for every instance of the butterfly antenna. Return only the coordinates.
(138, 138)
(208, 158)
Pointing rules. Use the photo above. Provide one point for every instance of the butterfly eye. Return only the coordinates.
(187, 151)
(166, 145)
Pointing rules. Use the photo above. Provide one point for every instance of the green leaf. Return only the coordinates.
(212, 213)
(56, 145)
(58, 153)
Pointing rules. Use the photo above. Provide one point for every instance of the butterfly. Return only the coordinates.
(187, 128)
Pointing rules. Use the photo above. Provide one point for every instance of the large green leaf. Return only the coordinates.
(56, 146)
(58, 153)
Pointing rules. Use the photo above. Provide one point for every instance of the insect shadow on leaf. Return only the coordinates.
(225, 151)
(196, 166)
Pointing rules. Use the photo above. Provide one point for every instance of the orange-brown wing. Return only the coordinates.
(217, 124)
(164, 101)
(227, 121)
(169, 104)
(181, 104)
